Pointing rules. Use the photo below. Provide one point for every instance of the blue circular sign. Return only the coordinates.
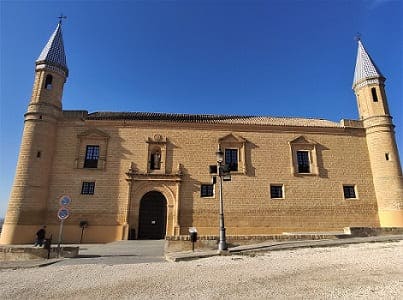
(63, 213)
(65, 200)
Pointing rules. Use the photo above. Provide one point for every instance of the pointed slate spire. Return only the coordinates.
(53, 53)
(365, 67)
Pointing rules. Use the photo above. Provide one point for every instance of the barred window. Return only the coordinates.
(88, 188)
(276, 191)
(303, 161)
(231, 159)
(349, 192)
(207, 190)
(91, 156)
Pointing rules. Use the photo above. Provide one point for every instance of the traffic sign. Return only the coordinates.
(65, 200)
(63, 213)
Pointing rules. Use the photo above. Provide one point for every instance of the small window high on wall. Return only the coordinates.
(374, 95)
(48, 82)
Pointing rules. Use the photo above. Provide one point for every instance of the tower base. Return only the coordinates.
(391, 218)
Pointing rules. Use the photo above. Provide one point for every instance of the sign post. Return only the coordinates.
(63, 213)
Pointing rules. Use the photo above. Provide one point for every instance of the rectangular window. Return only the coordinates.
(374, 95)
(276, 191)
(349, 191)
(231, 159)
(207, 190)
(88, 188)
(303, 161)
(91, 156)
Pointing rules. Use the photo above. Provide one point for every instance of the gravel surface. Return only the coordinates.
(370, 271)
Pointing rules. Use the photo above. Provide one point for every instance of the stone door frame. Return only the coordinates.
(141, 184)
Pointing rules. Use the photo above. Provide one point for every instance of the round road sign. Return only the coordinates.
(63, 213)
(65, 200)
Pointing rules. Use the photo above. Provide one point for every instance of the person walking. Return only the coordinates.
(40, 236)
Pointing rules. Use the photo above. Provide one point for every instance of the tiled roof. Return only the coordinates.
(364, 66)
(212, 119)
(53, 53)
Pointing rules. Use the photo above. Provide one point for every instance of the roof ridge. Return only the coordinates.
(202, 114)
(213, 119)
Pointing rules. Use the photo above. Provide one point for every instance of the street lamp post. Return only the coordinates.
(222, 244)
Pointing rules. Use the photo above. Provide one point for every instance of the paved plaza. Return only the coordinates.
(366, 271)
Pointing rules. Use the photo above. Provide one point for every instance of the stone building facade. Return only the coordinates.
(147, 175)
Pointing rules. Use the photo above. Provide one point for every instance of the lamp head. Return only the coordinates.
(219, 155)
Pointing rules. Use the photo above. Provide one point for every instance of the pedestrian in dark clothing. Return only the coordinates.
(40, 236)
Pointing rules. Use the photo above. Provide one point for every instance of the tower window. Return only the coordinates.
(48, 82)
(38, 154)
(91, 156)
(303, 161)
(374, 95)
(231, 159)
(88, 188)
(387, 156)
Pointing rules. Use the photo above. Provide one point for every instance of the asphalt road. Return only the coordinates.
(120, 252)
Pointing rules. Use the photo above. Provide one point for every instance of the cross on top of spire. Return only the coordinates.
(61, 17)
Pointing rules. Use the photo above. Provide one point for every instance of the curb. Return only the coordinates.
(6, 265)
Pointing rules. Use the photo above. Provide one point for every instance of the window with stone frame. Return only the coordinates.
(304, 160)
(92, 149)
(234, 148)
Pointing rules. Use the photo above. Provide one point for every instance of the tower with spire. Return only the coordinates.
(28, 200)
(369, 88)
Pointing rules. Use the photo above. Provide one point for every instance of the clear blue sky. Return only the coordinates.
(273, 58)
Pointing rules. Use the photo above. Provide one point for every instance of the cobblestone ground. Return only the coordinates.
(370, 271)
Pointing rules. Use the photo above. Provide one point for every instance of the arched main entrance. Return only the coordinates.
(152, 216)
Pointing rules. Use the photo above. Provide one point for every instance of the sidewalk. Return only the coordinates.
(276, 246)
(113, 249)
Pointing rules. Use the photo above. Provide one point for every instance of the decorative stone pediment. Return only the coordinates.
(93, 133)
(303, 144)
(233, 142)
(232, 138)
(302, 141)
(157, 139)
